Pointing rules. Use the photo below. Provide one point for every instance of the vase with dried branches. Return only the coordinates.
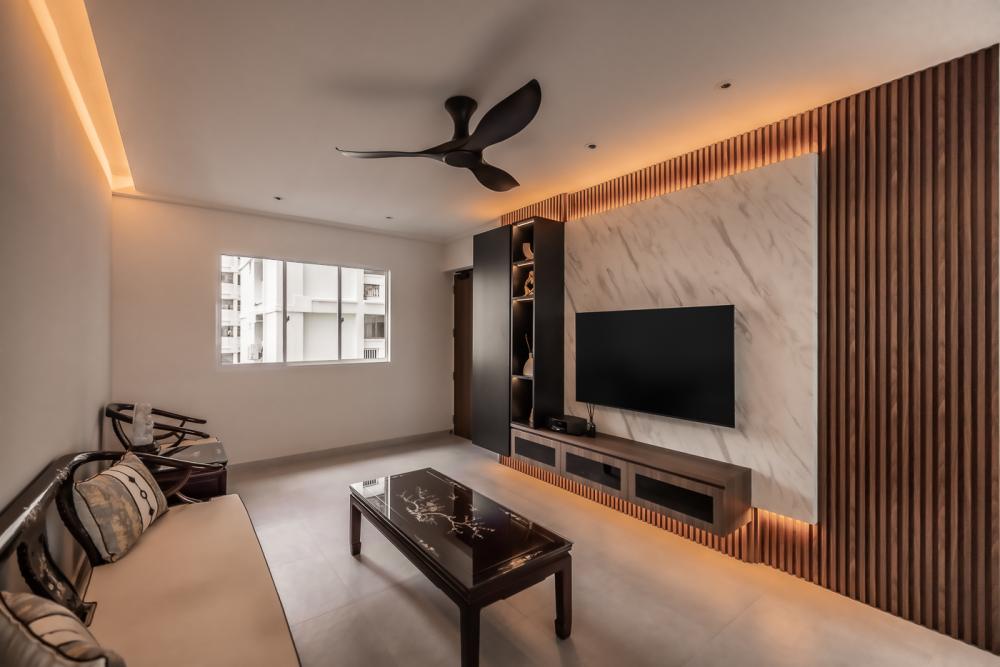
(591, 430)
(529, 365)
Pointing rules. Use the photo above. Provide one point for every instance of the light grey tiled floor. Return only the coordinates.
(641, 595)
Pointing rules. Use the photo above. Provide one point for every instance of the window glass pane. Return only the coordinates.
(312, 312)
(274, 311)
(374, 326)
(250, 314)
(352, 313)
(363, 325)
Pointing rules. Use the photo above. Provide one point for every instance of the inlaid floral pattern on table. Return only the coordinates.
(426, 508)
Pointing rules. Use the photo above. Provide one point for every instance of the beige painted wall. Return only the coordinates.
(54, 263)
(457, 254)
(165, 260)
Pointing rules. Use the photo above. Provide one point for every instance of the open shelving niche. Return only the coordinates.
(522, 324)
(536, 317)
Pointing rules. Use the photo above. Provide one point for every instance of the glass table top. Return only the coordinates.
(472, 537)
(208, 453)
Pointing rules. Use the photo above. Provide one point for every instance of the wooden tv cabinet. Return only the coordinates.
(708, 494)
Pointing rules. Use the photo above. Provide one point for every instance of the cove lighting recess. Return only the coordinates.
(50, 32)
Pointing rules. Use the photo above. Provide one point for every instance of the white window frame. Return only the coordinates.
(217, 335)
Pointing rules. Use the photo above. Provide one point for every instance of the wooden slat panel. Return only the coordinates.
(980, 275)
(941, 295)
(991, 267)
(882, 403)
(871, 461)
(964, 593)
(952, 393)
(928, 406)
(909, 472)
(554, 208)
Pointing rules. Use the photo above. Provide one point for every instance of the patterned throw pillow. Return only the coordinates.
(116, 506)
(36, 631)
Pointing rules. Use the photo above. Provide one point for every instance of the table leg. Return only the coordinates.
(564, 600)
(355, 530)
(470, 636)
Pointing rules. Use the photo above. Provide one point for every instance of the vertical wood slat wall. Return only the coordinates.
(909, 511)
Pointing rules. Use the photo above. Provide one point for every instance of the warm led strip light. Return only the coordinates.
(51, 34)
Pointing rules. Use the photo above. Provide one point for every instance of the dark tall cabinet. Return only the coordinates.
(507, 318)
(491, 340)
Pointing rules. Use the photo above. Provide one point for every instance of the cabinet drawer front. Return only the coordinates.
(536, 450)
(596, 470)
(687, 500)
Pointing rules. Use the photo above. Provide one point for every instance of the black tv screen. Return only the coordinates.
(676, 362)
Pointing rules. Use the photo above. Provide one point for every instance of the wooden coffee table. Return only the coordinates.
(472, 548)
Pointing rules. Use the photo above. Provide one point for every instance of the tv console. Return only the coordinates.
(708, 494)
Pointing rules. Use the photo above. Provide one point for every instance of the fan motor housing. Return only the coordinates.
(462, 158)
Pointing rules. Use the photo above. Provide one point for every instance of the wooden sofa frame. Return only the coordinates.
(165, 435)
(23, 524)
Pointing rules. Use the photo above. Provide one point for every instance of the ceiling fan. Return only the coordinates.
(503, 121)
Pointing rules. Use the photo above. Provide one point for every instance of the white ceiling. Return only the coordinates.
(233, 102)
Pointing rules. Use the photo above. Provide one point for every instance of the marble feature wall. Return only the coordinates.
(749, 240)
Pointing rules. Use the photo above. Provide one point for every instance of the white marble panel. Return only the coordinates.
(749, 240)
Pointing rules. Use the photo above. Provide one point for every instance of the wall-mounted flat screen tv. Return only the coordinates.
(676, 362)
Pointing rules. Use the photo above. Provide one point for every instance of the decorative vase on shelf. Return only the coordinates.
(529, 365)
(526, 249)
(529, 283)
(591, 429)
(142, 428)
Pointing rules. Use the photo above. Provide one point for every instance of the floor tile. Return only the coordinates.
(308, 587)
(284, 542)
(379, 566)
(342, 637)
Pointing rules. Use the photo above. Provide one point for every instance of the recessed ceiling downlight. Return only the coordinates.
(591, 147)
(725, 85)
(278, 197)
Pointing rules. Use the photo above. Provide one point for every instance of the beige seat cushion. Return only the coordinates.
(194, 591)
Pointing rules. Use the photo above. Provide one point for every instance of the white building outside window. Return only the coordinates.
(275, 311)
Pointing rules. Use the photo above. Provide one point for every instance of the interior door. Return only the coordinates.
(463, 355)
(491, 262)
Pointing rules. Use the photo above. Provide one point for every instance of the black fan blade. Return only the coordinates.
(494, 178)
(507, 118)
(378, 154)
